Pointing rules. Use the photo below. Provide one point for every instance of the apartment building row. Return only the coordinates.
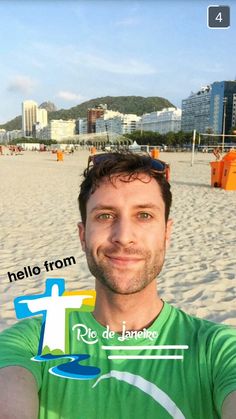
(211, 109)
(168, 119)
(99, 120)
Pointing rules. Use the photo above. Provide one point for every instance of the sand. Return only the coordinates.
(39, 215)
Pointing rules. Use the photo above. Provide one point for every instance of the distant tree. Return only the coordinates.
(143, 137)
(170, 139)
(156, 139)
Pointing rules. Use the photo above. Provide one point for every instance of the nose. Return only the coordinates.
(123, 233)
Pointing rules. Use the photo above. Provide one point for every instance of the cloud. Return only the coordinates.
(22, 84)
(129, 66)
(69, 96)
(128, 21)
(75, 58)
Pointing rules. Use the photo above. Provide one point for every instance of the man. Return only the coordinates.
(157, 361)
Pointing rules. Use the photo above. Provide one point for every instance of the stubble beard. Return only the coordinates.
(133, 280)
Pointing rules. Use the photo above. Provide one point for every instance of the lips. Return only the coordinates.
(123, 260)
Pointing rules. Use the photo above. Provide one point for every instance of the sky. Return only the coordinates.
(68, 52)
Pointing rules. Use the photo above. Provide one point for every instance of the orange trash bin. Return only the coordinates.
(155, 153)
(229, 176)
(230, 156)
(216, 173)
(60, 155)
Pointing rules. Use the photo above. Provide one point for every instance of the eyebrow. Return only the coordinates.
(138, 206)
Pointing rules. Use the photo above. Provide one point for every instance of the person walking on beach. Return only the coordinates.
(155, 361)
(216, 152)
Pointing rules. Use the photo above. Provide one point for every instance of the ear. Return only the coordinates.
(169, 226)
(81, 230)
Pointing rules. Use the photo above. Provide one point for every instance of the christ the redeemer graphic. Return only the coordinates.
(52, 305)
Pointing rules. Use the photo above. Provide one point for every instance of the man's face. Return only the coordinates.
(125, 236)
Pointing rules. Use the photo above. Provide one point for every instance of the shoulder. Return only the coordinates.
(205, 330)
(27, 326)
(23, 334)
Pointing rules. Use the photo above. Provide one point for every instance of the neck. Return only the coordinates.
(138, 310)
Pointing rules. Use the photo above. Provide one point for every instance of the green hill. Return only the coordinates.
(125, 104)
(13, 124)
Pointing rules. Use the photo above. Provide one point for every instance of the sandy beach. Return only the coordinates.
(39, 215)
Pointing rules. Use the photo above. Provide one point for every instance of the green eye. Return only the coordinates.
(104, 216)
(144, 215)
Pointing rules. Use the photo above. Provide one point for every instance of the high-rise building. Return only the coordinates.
(31, 116)
(81, 126)
(234, 111)
(196, 111)
(205, 110)
(223, 99)
(42, 117)
(109, 121)
(92, 115)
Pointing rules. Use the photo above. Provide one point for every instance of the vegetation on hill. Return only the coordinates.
(49, 106)
(125, 104)
(13, 124)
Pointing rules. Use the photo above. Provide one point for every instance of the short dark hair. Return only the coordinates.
(116, 165)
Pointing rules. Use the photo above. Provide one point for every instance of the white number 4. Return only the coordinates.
(219, 17)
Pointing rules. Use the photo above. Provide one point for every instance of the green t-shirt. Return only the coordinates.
(191, 386)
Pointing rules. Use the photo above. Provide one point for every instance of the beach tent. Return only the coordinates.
(134, 147)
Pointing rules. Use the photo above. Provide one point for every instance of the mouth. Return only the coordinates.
(123, 260)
